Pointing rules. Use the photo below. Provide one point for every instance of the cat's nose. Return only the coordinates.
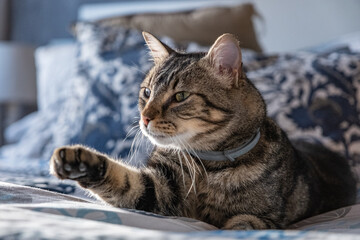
(149, 114)
(146, 120)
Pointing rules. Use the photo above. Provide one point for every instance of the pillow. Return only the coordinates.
(315, 97)
(55, 66)
(112, 62)
(42, 131)
(202, 26)
(36, 135)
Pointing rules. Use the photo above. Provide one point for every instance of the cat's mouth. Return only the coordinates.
(161, 140)
(177, 140)
(157, 135)
(151, 134)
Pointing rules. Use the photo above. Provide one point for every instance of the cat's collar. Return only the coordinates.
(231, 154)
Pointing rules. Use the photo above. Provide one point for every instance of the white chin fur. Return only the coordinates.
(167, 141)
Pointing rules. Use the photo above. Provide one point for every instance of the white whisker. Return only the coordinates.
(135, 146)
(130, 132)
(181, 166)
(192, 169)
(196, 157)
(180, 160)
(189, 167)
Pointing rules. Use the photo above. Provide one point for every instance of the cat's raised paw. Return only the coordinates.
(78, 163)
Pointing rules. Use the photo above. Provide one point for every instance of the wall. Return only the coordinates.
(293, 24)
(3, 19)
(288, 24)
(36, 22)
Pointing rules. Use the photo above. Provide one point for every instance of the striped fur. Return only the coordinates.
(275, 184)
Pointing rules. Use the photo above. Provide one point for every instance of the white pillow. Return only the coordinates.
(55, 66)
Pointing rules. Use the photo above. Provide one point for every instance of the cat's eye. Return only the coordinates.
(147, 92)
(181, 96)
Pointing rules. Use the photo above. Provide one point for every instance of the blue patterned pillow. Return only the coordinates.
(112, 62)
(313, 97)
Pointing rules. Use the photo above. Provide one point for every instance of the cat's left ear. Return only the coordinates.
(225, 56)
(159, 50)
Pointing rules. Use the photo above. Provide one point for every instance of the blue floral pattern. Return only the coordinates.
(113, 63)
(313, 97)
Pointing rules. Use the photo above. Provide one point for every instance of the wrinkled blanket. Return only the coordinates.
(31, 213)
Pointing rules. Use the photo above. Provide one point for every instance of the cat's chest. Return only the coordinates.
(222, 191)
(217, 202)
(229, 192)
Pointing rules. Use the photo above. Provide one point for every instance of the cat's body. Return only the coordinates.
(204, 102)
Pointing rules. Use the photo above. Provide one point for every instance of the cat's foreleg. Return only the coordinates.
(248, 222)
(114, 182)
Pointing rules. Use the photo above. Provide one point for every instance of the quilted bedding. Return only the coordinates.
(31, 213)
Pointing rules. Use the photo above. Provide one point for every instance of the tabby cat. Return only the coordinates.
(218, 157)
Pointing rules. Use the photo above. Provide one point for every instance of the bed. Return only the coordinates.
(313, 94)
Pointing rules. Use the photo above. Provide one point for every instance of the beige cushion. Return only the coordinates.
(202, 25)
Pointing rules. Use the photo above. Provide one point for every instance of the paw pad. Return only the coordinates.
(77, 163)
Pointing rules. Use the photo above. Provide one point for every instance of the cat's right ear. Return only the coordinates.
(159, 50)
(225, 57)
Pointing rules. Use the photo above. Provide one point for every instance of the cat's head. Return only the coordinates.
(198, 100)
